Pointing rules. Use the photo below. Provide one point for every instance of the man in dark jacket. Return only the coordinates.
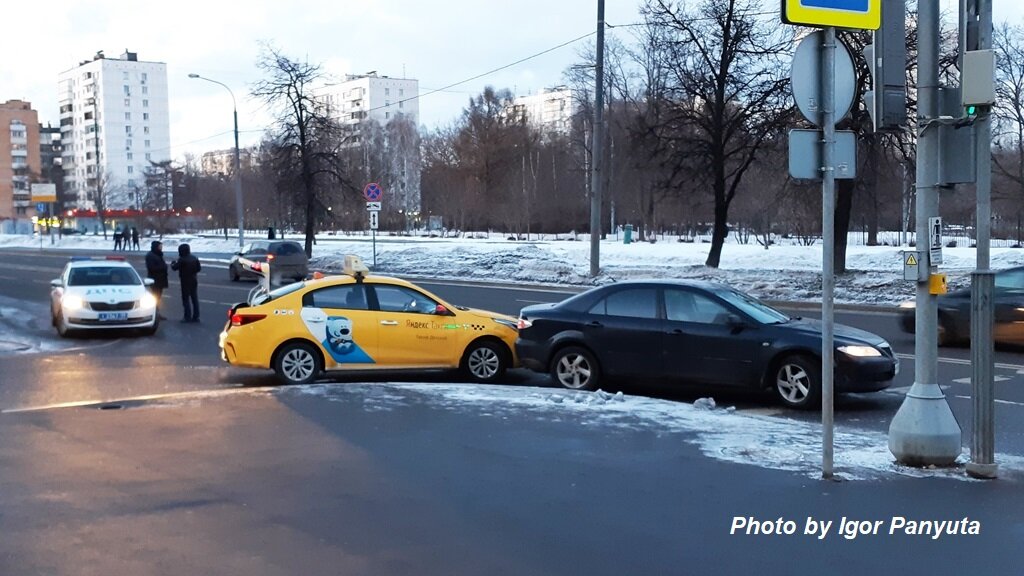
(188, 268)
(156, 268)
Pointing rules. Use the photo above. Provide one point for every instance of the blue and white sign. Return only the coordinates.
(858, 14)
(40, 207)
(372, 192)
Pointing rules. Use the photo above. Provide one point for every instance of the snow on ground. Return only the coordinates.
(783, 272)
(724, 434)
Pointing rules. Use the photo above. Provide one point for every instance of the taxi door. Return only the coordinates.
(410, 332)
(340, 320)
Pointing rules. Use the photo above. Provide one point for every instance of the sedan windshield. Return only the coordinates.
(753, 307)
(103, 276)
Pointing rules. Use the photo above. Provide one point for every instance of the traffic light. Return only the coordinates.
(886, 58)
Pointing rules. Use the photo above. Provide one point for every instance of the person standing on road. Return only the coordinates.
(188, 268)
(156, 268)
(135, 238)
(117, 239)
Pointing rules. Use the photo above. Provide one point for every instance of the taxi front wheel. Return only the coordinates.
(297, 363)
(485, 361)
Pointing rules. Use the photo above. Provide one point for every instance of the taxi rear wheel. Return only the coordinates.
(297, 363)
(485, 361)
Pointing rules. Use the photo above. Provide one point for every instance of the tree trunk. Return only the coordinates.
(718, 233)
(844, 205)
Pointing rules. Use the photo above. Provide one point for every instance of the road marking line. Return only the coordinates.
(1008, 402)
(533, 301)
(965, 362)
(144, 398)
(967, 380)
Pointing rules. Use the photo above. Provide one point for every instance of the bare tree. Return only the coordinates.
(728, 92)
(307, 142)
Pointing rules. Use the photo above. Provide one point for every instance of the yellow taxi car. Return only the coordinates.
(358, 321)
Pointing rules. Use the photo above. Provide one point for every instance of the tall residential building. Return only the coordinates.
(364, 97)
(50, 152)
(19, 162)
(114, 121)
(549, 111)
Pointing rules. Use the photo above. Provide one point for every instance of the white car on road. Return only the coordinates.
(95, 294)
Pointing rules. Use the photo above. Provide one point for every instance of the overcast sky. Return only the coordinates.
(438, 42)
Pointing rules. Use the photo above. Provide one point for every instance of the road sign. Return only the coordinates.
(372, 192)
(805, 154)
(374, 220)
(806, 79)
(44, 192)
(860, 14)
(373, 206)
(935, 245)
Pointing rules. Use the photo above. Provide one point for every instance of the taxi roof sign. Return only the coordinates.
(858, 14)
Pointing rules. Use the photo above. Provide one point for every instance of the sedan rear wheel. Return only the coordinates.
(485, 362)
(297, 363)
(576, 369)
(798, 382)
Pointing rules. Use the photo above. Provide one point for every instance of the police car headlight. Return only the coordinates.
(860, 351)
(147, 301)
(72, 302)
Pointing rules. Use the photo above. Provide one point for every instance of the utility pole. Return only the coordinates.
(596, 149)
(976, 17)
(828, 242)
(100, 204)
(924, 431)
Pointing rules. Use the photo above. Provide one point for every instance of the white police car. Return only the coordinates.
(99, 294)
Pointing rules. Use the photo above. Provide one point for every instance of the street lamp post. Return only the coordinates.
(238, 164)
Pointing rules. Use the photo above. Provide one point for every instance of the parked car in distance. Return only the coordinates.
(101, 294)
(287, 260)
(955, 312)
(696, 332)
(357, 321)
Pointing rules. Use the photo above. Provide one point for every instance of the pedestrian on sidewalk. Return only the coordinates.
(156, 268)
(135, 238)
(188, 268)
(117, 239)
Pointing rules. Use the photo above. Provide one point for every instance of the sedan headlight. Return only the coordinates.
(860, 351)
(510, 323)
(147, 301)
(72, 302)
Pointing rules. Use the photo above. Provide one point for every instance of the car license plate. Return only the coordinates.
(113, 316)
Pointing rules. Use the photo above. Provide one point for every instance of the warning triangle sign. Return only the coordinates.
(911, 260)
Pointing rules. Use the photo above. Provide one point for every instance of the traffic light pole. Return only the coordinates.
(924, 431)
(977, 25)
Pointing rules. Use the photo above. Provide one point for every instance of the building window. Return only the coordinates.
(144, 77)
(128, 130)
(130, 169)
(387, 115)
(145, 115)
(145, 129)
(129, 155)
(128, 143)
(125, 75)
(401, 91)
(127, 102)
(145, 103)
(127, 90)
(131, 182)
(145, 89)
(147, 143)
(387, 91)
(127, 116)
(401, 103)
(147, 155)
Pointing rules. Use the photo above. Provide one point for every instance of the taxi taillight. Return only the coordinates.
(243, 319)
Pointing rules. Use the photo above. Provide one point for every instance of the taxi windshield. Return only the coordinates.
(103, 276)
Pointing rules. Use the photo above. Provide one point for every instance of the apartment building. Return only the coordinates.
(364, 97)
(114, 120)
(19, 164)
(549, 111)
(222, 162)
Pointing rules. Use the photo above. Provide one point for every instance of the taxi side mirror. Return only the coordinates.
(56, 283)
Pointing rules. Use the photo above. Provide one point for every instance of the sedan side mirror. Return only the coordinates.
(148, 281)
(56, 283)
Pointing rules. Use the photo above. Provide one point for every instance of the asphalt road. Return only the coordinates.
(240, 476)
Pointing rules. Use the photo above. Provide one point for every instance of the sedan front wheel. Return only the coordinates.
(575, 368)
(798, 382)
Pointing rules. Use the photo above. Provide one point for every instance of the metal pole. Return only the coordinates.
(238, 163)
(924, 431)
(596, 151)
(828, 242)
(982, 464)
(374, 232)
